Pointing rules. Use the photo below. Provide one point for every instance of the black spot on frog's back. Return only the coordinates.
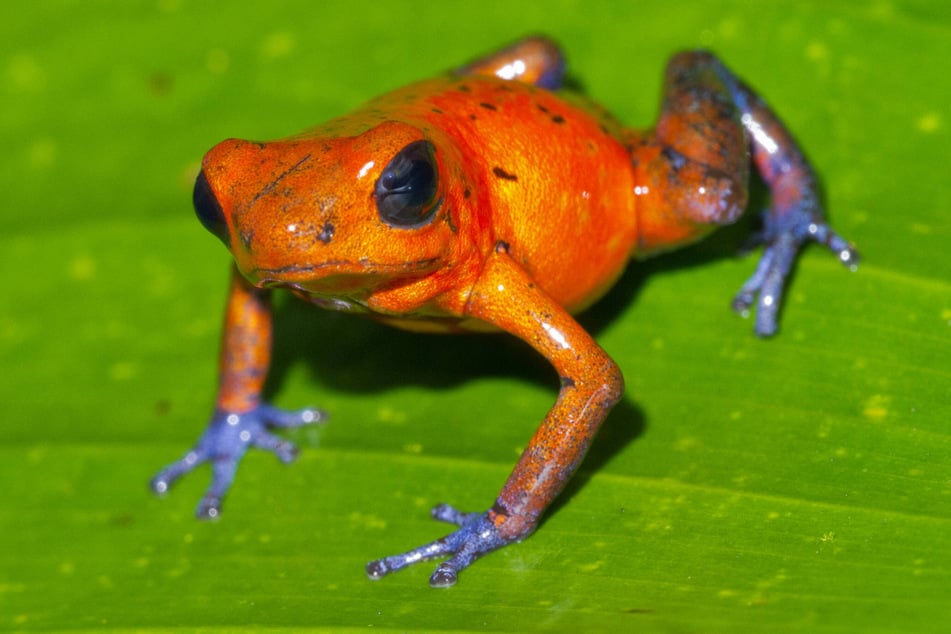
(326, 233)
(501, 173)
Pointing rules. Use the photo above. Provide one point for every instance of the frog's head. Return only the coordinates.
(329, 214)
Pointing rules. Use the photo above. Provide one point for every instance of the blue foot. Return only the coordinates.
(782, 246)
(224, 443)
(476, 536)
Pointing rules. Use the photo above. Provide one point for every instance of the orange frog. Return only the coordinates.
(483, 200)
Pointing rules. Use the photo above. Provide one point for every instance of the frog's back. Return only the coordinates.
(551, 175)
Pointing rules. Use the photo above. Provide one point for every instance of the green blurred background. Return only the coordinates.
(797, 484)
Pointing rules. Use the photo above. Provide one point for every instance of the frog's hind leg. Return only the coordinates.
(692, 173)
(534, 60)
(712, 128)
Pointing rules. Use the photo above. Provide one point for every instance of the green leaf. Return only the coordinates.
(800, 484)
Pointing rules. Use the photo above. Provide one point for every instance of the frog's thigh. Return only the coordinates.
(535, 60)
(703, 156)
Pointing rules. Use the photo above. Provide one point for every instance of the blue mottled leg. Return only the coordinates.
(710, 127)
(795, 216)
(240, 419)
(476, 536)
(224, 443)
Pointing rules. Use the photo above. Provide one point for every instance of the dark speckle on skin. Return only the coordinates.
(437, 110)
(487, 106)
(466, 193)
(246, 237)
(326, 233)
(543, 108)
(674, 158)
(463, 88)
(473, 117)
(558, 119)
(501, 173)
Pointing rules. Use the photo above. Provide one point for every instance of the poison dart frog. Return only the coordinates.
(487, 199)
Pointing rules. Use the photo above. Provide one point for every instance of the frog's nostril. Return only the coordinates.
(208, 209)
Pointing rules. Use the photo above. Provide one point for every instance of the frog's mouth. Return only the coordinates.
(336, 303)
(335, 278)
(348, 293)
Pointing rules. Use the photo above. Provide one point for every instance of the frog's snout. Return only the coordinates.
(208, 209)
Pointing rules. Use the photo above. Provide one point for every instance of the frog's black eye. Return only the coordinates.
(208, 209)
(406, 190)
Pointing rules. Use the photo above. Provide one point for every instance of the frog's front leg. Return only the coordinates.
(711, 124)
(240, 419)
(591, 384)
